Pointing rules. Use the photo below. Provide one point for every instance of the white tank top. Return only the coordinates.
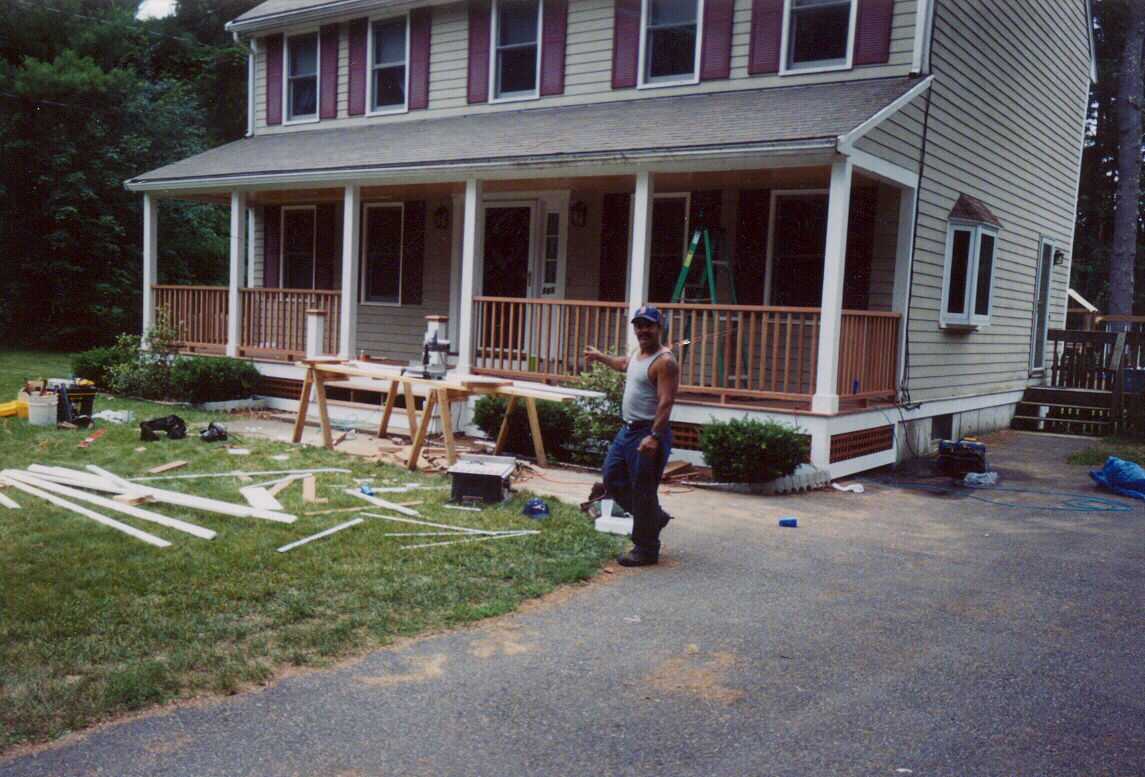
(640, 398)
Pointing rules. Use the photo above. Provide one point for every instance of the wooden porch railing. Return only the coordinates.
(727, 351)
(1085, 360)
(274, 321)
(198, 314)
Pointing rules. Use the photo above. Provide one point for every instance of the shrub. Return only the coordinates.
(96, 364)
(145, 377)
(596, 421)
(748, 451)
(556, 425)
(209, 379)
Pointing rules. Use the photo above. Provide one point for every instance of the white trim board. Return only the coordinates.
(846, 142)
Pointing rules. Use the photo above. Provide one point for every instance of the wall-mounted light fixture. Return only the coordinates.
(1059, 257)
(578, 213)
(441, 217)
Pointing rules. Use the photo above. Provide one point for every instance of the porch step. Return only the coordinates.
(1082, 412)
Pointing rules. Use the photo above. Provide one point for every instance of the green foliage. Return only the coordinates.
(96, 364)
(596, 421)
(200, 379)
(749, 451)
(556, 425)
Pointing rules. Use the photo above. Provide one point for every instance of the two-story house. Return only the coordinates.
(888, 185)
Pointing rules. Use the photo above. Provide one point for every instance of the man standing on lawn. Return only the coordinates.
(637, 456)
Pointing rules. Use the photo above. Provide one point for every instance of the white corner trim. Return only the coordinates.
(847, 141)
(1089, 306)
(881, 168)
(923, 28)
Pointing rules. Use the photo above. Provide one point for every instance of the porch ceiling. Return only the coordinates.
(660, 128)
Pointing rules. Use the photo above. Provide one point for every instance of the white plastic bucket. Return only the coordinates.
(42, 409)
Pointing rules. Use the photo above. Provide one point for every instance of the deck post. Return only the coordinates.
(826, 398)
(472, 229)
(150, 258)
(235, 274)
(640, 258)
(351, 237)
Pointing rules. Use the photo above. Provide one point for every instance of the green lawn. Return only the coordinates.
(1123, 448)
(94, 623)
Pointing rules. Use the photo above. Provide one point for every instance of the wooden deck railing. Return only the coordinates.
(727, 351)
(274, 321)
(198, 314)
(1085, 360)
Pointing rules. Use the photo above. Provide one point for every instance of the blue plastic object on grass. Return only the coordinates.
(789, 523)
(1122, 477)
(536, 509)
(365, 489)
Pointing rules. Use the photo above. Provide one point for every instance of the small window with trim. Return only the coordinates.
(382, 253)
(818, 34)
(971, 255)
(517, 49)
(388, 64)
(302, 77)
(671, 41)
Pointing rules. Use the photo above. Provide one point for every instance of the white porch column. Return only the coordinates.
(235, 275)
(150, 258)
(640, 258)
(472, 228)
(826, 399)
(351, 237)
(904, 260)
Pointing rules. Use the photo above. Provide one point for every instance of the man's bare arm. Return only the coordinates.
(618, 363)
(666, 373)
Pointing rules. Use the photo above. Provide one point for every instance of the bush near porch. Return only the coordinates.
(96, 623)
(748, 451)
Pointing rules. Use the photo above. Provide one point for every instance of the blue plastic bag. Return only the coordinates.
(1122, 477)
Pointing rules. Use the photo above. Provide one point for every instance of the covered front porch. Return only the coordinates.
(802, 313)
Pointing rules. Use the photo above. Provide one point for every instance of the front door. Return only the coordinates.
(508, 260)
(798, 243)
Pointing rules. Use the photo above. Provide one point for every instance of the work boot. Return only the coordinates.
(638, 558)
(213, 433)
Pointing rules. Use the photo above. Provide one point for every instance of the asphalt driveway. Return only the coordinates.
(901, 631)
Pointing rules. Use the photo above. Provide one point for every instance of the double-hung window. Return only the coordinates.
(302, 77)
(968, 282)
(516, 48)
(818, 34)
(670, 45)
(389, 67)
(382, 253)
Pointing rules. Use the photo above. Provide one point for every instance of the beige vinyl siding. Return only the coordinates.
(899, 138)
(258, 250)
(1005, 126)
(588, 66)
(582, 252)
(260, 87)
(884, 255)
(397, 331)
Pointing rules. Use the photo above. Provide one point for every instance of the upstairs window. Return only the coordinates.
(302, 77)
(516, 48)
(389, 47)
(969, 277)
(671, 41)
(819, 34)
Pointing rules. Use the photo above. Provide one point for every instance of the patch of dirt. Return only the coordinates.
(422, 669)
(504, 639)
(694, 674)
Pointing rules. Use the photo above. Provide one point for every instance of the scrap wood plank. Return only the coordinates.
(321, 534)
(278, 487)
(238, 473)
(138, 534)
(383, 503)
(676, 468)
(258, 497)
(8, 501)
(431, 524)
(309, 489)
(111, 504)
(469, 539)
(167, 467)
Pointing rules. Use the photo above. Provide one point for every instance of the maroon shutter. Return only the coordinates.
(413, 252)
(479, 52)
(324, 240)
(716, 55)
(274, 79)
(419, 30)
(271, 245)
(625, 43)
(359, 32)
(553, 36)
(328, 72)
(615, 210)
(766, 33)
(873, 32)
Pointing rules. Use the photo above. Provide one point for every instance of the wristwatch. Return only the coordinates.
(656, 436)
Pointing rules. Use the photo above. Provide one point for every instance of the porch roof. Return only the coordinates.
(748, 121)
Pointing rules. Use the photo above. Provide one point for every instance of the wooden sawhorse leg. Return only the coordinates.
(303, 405)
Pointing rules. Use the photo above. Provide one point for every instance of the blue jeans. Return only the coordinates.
(632, 479)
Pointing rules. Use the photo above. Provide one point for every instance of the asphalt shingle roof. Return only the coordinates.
(271, 7)
(547, 135)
